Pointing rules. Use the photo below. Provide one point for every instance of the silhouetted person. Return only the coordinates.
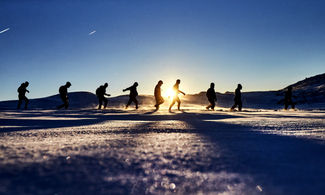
(63, 90)
(237, 99)
(101, 92)
(158, 97)
(176, 98)
(133, 95)
(22, 89)
(211, 95)
(288, 99)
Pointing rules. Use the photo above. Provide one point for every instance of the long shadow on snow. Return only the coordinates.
(88, 117)
(279, 164)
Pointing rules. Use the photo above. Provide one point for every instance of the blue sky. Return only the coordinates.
(261, 44)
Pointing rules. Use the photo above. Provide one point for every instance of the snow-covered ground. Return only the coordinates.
(144, 152)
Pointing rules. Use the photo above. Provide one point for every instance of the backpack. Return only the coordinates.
(61, 90)
(98, 91)
(20, 89)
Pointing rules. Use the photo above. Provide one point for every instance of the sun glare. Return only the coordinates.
(169, 93)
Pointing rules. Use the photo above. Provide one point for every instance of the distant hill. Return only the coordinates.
(77, 100)
(310, 90)
(308, 94)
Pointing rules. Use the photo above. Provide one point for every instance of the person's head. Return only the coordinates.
(178, 81)
(212, 85)
(26, 83)
(160, 82)
(68, 84)
(135, 84)
(290, 88)
(105, 85)
(239, 86)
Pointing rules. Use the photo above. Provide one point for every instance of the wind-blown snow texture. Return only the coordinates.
(146, 152)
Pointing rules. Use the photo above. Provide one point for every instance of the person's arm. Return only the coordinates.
(27, 91)
(126, 89)
(107, 94)
(181, 92)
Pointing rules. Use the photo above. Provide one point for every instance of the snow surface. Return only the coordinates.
(195, 151)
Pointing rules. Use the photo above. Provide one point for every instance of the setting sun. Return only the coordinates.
(169, 93)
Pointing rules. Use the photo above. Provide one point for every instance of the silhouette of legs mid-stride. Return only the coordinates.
(132, 99)
(176, 99)
(211, 105)
(65, 104)
(24, 98)
(158, 102)
(100, 102)
(239, 104)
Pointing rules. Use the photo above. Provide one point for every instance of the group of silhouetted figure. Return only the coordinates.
(102, 100)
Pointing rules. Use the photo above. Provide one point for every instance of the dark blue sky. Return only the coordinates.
(262, 44)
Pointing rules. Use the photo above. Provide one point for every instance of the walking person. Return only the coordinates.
(288, 99)
(133, 95)
(237, 99)
(100, 93)
(22, 89)
(63, 90)
(212, 98)
(159, 99)
(176, 98)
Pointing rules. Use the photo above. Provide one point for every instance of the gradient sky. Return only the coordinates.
(262, 44)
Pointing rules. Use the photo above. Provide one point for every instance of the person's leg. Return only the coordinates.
(62, 105)
(291, 104)
(240, 105)
(161, 101)
(99, 103)
(105, 102)
(157, 102)
(286, 105)
(178, 103)
(19, 102)
(172, 104)
(26, 102)
(66, 103)
(210, 105)
(213, 104)
(234, 106)
(129, 103)
(136, 102)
